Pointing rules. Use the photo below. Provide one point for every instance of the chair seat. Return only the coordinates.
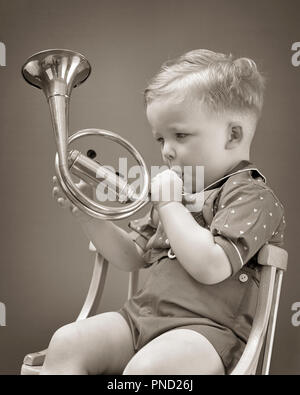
(274, 262)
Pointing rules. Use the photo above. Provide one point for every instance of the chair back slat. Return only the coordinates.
(272, 324)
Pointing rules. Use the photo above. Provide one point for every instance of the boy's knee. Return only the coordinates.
(65, 338)
(143, 366)
(62, 350)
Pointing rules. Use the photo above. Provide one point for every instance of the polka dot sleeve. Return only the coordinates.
(248, 216)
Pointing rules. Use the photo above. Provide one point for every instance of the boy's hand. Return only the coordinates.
(166, 187)
(64, 202)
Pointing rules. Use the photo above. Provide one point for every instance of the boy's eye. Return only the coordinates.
(181, 135)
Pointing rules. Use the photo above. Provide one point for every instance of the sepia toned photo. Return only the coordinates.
(149, 190)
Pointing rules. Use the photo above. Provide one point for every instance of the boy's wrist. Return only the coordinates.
(160, 206)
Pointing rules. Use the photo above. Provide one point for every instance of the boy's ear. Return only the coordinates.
(234, 136)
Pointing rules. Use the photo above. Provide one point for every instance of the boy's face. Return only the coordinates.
(190, 136)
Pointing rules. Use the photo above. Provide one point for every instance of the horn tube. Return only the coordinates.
(57, 72)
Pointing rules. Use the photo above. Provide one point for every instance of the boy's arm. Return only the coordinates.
(194, 245)
(109, 239)
(114, 244)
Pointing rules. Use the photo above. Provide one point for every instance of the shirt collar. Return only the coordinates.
(242, 166)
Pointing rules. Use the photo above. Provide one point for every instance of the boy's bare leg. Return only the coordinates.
(179, 351)
(98, 345)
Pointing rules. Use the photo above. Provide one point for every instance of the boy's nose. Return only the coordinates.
(168, 152)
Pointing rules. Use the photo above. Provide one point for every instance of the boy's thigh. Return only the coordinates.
(178, 351)
(102, 343)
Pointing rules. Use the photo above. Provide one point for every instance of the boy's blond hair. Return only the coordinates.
(218, 80)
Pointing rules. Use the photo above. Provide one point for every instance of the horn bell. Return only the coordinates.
(56, 71)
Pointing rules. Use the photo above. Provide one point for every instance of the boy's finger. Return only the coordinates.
(55, 192)
(177, 170)
(75, 211)
(62, 202)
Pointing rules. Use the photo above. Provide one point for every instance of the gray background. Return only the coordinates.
(45, 263)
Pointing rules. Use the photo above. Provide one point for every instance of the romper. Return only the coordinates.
(243, 214)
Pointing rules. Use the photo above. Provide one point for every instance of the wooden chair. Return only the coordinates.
(274, 262)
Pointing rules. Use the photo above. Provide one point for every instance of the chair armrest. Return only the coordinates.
(35, 359)
(271, 255)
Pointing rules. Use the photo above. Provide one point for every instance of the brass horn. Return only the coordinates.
(57, 72)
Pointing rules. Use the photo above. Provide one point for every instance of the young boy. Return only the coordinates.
(195, 311)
